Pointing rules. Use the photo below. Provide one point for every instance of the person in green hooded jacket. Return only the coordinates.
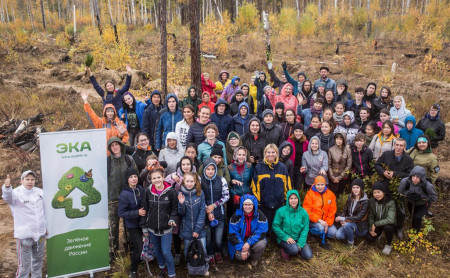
(291, 226)
(192, 99)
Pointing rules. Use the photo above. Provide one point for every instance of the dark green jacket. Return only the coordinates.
(381, 213)
(291, 223)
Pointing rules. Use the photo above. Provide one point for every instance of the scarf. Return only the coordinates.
(248, 224)
(271, 165)
(315, 111)
(437, 117)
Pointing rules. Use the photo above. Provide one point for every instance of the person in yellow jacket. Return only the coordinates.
(224, 80)
(253, 93)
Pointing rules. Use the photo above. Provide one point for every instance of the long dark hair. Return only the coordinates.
(390, 124)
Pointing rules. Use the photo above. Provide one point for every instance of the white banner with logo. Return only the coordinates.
(76, 201)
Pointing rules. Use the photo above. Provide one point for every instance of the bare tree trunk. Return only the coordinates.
(6, 9)
(218, 12)
(110, 12)
(162, 19)
(145, 12)
(2, 12)
(59, 10)
(156, 14)
(74, 22)
(49, 17)
(298, 9)
(91, 8)
(44, 23)
(203, 12)
(194, 14)
(133, 12)
(237, 8)
(97, 15)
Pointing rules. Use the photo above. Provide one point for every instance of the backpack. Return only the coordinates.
(109, 163)
(196, 258)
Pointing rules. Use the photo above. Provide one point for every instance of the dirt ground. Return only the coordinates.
(25, 82)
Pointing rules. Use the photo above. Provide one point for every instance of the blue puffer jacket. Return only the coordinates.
(410, 135)
(241, 124)
(245, 177)
(167, 121)
(192, 213)
(237, 227)
(150, 117)
(129, 205)
(114, 98)
(224, 122)
(140, 107)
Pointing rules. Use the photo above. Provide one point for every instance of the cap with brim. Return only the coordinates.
(26, 173)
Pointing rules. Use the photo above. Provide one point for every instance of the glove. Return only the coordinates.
(284, 65)
(269, 65)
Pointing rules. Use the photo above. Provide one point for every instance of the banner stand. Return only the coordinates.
(90, 272)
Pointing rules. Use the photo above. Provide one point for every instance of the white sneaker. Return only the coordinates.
(387, 250)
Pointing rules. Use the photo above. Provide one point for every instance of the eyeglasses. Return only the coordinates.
(143, 140)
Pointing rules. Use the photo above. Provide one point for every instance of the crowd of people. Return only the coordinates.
(225, 166)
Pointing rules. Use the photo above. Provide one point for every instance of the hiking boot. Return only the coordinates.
(399, 233)
(212, 261)
(326, 245)
(177, 259)
(387, 249)
(429, 214)
(254, 262)
(206, 274)
(218, 258)
(162, 273)
(133, 275)
(284, 255)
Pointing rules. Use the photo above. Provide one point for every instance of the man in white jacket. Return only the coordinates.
(27, 207)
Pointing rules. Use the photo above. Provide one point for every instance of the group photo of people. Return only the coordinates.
(222, 172)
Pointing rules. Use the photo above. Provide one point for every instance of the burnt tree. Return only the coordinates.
(163, 30)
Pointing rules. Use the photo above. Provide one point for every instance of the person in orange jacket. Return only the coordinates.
(114, 126)
(206, 98)
(320, 204)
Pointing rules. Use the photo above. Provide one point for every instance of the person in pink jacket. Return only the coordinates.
(286, 96)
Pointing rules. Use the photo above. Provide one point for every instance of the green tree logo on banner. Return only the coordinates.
(76, 193)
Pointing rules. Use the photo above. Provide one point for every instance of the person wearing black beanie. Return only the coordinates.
(130, 208)
(300, 145)
(280, 116)
(353, 218)
(381, 216)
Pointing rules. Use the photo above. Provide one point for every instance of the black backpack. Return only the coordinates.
(196, 258)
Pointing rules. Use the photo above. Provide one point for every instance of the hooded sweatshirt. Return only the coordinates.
(216, 191)
(138, 109)
(410, 135)
(291, 223)
(104, 122)
(424, 191)
(118, 167)
(435, 124)
(400, 113)
(320, 205)
(286, 159)
(194, 101)
(224, 122)
(350, 130)
(210, 104)
(167, 121)
(290, 101)
(361, 161)
(220, 85)
(209, 86)
(230, 90)
(238, 227)
(241, 124)
(314, 162)
(171, 156)
(150, 117)
(230, 151)
(345, 95)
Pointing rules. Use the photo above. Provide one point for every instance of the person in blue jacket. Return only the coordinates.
(222, 119)
(112, 95)
(297, 84)
(410, 133)
(247, 231)
(241, 119)
(167, 120)
(131, 114)
(151, 115)
(241, 174)
(192, 210)
(130, 209)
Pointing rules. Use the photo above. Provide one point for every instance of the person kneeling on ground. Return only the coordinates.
(419, 193)
(353, 219)
(381, 216)
(320, 204)
(247, 231)
(291, 225)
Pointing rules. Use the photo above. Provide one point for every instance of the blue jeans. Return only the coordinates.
(214, 246)
(162, 245)
(186, 245)
(331, 233)
(293, 249)
(349, 231)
